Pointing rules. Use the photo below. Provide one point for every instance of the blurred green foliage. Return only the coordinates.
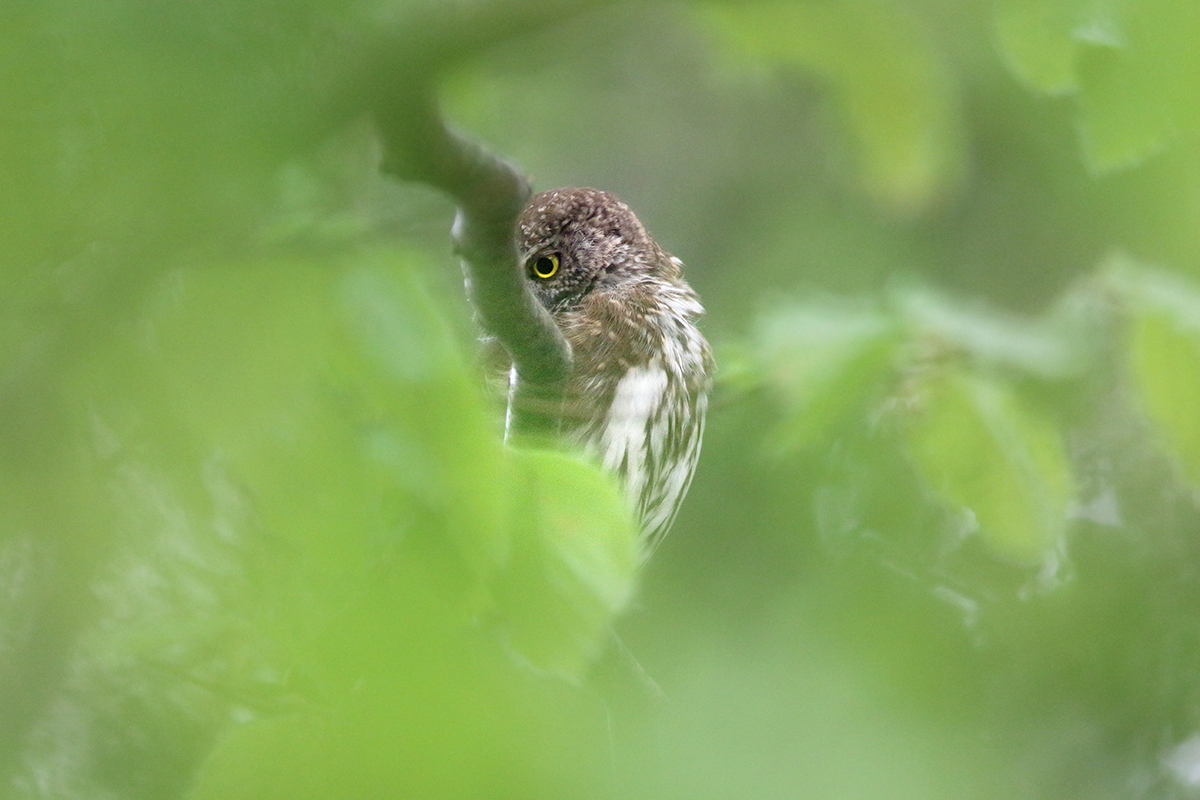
(259, 535)
(1133, 66)
(894, 92)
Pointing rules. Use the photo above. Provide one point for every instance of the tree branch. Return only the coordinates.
(490, 194)
(489, 191)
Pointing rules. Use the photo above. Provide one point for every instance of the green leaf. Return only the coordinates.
(826, 364)
(436, 438)
(899, 101)
(1136, 67)
(978, 447)
(322, 410)
(1163, 351)
(1142, 96)
(1059, 344)
(573, 565)
(446, 717)
(382, 521)
(1039, 40)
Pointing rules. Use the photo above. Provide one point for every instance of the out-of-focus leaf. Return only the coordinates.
(373, 744)
(826, 363)
(1136, 66)
(428, 712)
(573, 563)
(978, 447)
(899, 100)
(1142, 96)
(328, 398)
(1058, 345)
(437, 440)
(447, 720)
(1164, 358)
(1041, 38)
(306, 432)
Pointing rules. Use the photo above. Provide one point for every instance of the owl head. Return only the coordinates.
(573, 241)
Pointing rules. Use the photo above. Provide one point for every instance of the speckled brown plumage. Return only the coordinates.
(638, 393)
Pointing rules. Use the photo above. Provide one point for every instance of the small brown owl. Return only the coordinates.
(638, 392)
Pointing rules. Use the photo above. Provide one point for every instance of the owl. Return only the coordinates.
(636, 399)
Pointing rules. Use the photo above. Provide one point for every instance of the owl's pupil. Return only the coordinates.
(545, 267)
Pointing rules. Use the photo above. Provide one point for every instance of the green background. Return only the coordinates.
(259, 536)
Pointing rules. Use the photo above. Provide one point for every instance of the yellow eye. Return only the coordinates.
(546, 266)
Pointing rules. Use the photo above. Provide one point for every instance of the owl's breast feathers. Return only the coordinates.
(638, 390)
(637, 398)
